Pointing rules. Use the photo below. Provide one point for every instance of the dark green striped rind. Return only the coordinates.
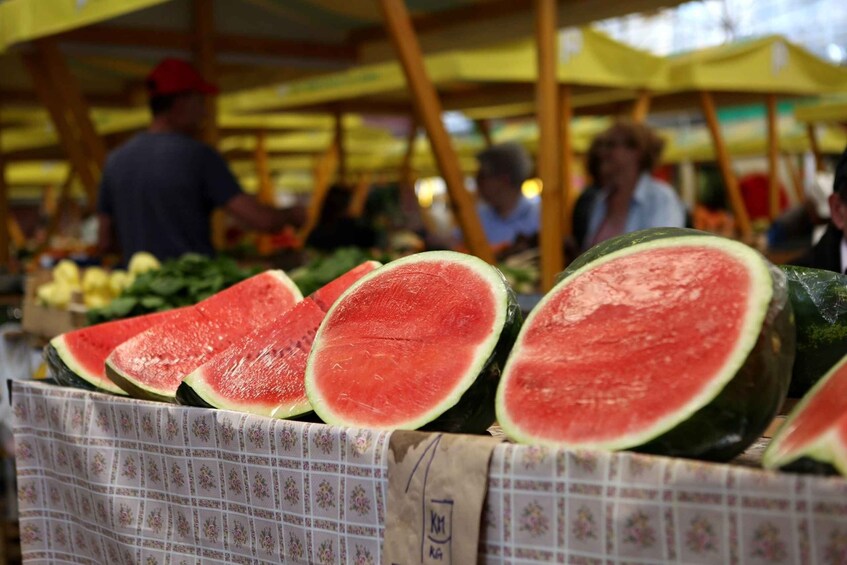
(819, 300)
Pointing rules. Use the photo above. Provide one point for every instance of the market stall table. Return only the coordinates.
(103, 477)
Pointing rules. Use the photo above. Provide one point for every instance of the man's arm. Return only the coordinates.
(255, 215)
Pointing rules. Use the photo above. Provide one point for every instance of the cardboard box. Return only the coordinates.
(46, 322)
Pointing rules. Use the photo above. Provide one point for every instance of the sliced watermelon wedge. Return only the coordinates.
(419, 343)
(814, 436)
(667, 342)
(78, 358)
(151, 364)
(263, 372)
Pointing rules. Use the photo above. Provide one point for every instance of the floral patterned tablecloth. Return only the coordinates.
(105, 479)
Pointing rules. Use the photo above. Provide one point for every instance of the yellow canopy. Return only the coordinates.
(830, 109)
(499, 77)
(23, 20)
(747, 139)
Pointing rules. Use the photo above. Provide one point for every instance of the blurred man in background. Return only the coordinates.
(159, 189)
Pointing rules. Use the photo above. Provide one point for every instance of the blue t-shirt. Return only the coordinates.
(523, 220)
(160, 190)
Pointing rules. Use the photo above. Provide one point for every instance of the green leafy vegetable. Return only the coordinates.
(180, 282)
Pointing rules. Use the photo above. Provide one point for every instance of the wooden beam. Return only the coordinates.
(429, 111)
(742, 219)
(204, 58)
(154, 38)
(325, 168)
(551, 237)
(55, 215)
(21, 97)
(74, 100)
(424, 23)
(4, 214)
(406, 169)
(796, 175)
(342, 146)
(816, 149)
(265, 195)
(641, 106)
(567, 158)
(773, 157)
(69, 137)
(360, 196)
(484, 128)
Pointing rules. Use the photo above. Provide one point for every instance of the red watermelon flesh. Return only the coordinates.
(263, 371)
(624, 345)
(402, 341)
(152, 364)
(817, 426)
(84, 351)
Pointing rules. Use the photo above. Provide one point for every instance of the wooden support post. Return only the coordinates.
(70, 120)
(641, 106)
(742, 218)
(813, 145)
(73, 99)
(551, 236)
(567, 158)
(204, 59)
(58, 207)
(773, 157)
(406, 168)
(5, 216)
(342, 147)
(484, 128)
(265, 194)
(360, 196)
(796, 176)
(325, 167)
(428, 106)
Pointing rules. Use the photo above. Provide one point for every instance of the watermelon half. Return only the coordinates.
(78, 358)
(418, 343)
(814, 436)
(667, 342)
(263, 372)
(151, 364)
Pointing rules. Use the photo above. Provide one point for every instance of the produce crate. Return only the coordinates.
(44, 322)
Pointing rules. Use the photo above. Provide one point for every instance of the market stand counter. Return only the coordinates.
(108, 479)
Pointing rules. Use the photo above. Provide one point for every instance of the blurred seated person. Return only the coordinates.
(830, 252)
(335, 227)
(506, 215)
(631, 199)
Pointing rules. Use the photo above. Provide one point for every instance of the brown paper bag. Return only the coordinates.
(436, 489)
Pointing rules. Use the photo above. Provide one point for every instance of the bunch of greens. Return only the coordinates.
(180, 282)
(324, 268)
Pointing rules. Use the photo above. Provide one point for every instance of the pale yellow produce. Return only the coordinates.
(141, 262)
(95, 280)
(67, 272)
(119, 280)
(56, 294)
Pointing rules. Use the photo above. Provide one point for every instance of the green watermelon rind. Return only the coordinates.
(823, 450)
(137, 389)
(653, 439)
(194, 391)
(471, 390)
(67, 371)
(819, 301)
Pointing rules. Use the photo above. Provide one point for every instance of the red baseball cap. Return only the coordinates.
(175, 76)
